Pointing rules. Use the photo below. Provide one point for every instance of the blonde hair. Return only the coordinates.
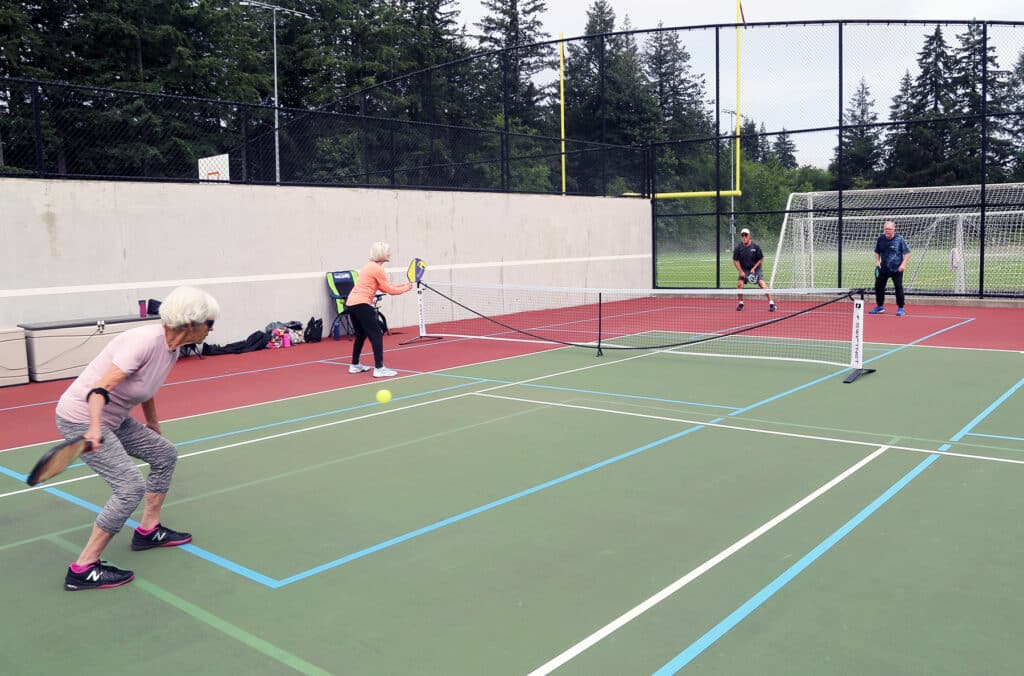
(188, 305)
(379, 251)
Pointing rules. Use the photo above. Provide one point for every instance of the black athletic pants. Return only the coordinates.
(883, 279)
(365, 325)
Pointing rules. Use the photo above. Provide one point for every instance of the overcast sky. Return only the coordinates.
(791, 81)
(570, 16)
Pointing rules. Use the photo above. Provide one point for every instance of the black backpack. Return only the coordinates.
(257, 340)
(314, 330)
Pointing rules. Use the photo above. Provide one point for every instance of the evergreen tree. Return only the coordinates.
(750, 140)
(931, 99)
(862, 145)
(633, 113)
(974, 59)
(784, 150)
(352, 45)
(678, 91)
(1015, 124)
(764, 143)
(586, 72)
(897, 139)
(510, 26)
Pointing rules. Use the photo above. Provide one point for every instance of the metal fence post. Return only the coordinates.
(718, 160)
(604, 117)
(37, 123)
(246, 175)
(984, 157)
(505, 178)
(366, 142)
(839, 171)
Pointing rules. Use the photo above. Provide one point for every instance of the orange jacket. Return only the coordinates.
(371, 280)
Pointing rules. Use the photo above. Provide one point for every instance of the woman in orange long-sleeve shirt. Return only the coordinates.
(359, 305)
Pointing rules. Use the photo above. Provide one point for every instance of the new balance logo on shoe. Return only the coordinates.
(160, 537)
(98, 576)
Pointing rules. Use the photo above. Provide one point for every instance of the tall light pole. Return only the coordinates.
(732, 176)
(274, 10)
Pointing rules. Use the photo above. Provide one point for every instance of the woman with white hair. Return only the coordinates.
(98, 405)
(359, 305)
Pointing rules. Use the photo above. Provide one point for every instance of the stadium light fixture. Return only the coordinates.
(274, 9)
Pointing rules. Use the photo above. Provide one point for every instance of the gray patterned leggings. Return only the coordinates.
(113, 463)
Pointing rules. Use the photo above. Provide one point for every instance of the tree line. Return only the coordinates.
(938, 114)
(374, 58)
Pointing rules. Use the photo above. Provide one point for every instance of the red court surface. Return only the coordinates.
(228, 381)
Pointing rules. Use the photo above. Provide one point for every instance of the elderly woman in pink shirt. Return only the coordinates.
(372, 279)
(98, 405)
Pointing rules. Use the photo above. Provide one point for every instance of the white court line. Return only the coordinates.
(485, 392)
(342, 422)
(668, 591)
(329, 360)
(755, 430)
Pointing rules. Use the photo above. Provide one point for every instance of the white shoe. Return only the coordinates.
(358, 368)
(384, 372)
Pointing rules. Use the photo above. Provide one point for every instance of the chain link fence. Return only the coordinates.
(738, 121)
(50, 130)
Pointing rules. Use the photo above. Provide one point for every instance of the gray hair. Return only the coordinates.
(379, 251)
(188, 305)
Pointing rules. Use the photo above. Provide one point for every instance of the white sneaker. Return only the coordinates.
(384, 372)
(358, 368)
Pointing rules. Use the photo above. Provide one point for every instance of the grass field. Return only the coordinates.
(1004, 274)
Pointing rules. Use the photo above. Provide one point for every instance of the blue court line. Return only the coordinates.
(483, 508)
(753, 603)
(830, 376)
(11, 473)
(474, 381)
(275, 584)
(291, 421)
(314, 416)
(995, 436)
(191, 548)
(738, 615)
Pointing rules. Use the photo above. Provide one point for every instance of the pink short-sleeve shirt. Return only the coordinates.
(142, 354)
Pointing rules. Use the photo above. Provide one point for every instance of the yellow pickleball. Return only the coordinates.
(383, 396)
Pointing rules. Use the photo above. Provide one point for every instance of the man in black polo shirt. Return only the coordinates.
(747, 257)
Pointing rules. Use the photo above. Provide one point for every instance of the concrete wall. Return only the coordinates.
(79, 249)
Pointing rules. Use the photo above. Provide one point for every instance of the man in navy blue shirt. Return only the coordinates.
(747, 257)
(891, 256)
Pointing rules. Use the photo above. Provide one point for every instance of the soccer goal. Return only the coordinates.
(941, 224)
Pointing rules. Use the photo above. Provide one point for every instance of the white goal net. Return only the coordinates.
(942, 225)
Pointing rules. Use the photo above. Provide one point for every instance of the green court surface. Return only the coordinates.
(636, 513)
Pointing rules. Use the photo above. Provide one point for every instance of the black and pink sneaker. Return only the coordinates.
(160, 537)
(97, 576)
